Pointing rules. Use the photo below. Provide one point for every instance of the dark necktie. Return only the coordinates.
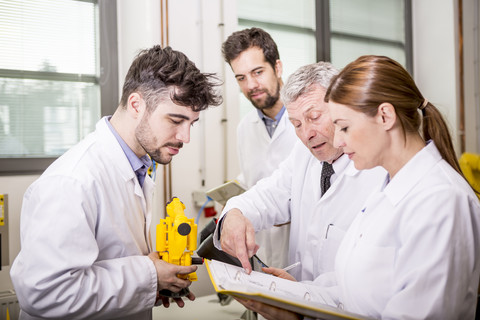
(141, 172)
(327, 171)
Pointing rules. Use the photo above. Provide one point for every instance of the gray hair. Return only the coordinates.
(305, 78)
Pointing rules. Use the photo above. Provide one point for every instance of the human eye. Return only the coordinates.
(240, 78)
(296, 124)
(258, 72)
(315, 115)
(176, 121)
(343, 129)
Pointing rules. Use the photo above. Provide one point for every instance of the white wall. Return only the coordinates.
(471, 43)
(436, 62)
(435, 56)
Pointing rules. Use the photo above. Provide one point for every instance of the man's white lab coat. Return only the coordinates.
(85, 236)
(259, 155)
(318, 225)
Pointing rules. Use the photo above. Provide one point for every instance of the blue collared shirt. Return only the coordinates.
(271, 124)
(139, 165)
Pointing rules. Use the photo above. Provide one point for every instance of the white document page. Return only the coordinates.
(230, 277)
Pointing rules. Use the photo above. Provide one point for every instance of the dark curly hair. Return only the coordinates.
(240, 41)
(158, 73)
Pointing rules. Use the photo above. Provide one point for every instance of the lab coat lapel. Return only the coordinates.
(145, 194)
(261, 128)
(349, 171)
(117, 158)
(148, 188)
(281, 126)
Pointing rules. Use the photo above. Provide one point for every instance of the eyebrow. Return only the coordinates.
(312, 107)
(303, 113)
(253, 70)
(181, 116)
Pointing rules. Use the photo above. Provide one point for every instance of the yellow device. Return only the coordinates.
(176, 240)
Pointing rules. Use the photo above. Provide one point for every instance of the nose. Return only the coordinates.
(338, 141)
(252, 83)
(183, 133)
(308, 132)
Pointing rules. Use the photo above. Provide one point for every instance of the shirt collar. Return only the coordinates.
(277, 117)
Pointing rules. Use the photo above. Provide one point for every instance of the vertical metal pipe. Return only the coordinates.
(461, 106)
(224, 121)
(167, 169)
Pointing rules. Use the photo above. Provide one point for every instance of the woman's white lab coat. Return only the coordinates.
(414, 251)
(84, 237)
(292, 194)
(259, 155)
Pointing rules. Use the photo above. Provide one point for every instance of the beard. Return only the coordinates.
(269, 101)
(145, 138)
(161, 157)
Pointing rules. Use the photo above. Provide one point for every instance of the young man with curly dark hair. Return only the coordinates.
(86, 249)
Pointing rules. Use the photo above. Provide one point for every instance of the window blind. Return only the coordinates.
(49, 71)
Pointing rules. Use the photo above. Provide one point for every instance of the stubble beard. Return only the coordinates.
(270, 100)
(145, 139)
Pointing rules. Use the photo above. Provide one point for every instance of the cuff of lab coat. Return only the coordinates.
(152, 295)
(216, 234)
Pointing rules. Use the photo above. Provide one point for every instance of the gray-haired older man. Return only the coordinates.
(316, 188)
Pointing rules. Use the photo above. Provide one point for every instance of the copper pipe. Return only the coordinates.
(161, 23)
(166, 20)
(167, 169)
(170, 195)
(164, 202)
(461, 107)
(169, 181)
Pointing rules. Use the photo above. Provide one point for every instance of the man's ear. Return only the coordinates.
(278, 68)
(386, 115)
(135, 104)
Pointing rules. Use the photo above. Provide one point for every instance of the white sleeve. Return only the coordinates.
(434, 274)
(58, 273)
(267, 203)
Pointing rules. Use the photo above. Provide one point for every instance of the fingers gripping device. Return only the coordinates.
(177, 238)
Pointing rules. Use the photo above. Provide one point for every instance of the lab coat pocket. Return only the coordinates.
(332, 239)
(374, 269)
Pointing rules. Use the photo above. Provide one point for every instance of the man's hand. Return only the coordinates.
(167, 278)
(237, 238)
(178, 301)
(267, 311)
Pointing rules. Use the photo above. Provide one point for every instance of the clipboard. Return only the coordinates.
(298, 297)
(223, 192)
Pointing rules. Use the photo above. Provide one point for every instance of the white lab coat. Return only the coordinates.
(259, 155)
(292, 194)
(414, 251)
(84, 237)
